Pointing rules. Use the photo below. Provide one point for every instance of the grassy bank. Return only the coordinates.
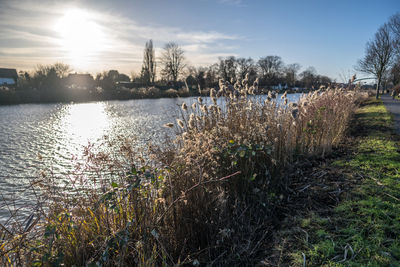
(214, 195)
(361, 226)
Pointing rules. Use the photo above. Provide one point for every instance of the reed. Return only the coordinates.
(206, 197)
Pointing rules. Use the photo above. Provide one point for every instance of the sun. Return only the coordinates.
(80, 36)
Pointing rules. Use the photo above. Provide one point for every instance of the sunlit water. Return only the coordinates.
(38, 136)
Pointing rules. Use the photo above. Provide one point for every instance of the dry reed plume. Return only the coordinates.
(206, 198)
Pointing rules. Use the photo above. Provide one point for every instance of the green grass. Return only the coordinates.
(364, 229)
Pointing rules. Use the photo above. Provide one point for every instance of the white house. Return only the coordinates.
(8, 77)
(279, 87)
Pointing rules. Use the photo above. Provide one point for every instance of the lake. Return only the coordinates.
(38, 136)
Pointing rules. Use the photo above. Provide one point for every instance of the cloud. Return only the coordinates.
(205, 37)
(28, 37)
(238, 3)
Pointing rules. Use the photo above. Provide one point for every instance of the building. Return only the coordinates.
(80, 81)
(279, 87)
(8, 77)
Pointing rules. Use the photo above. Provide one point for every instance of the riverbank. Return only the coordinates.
(348, 209)
(66, 95)
(212, 196)
(12, 96)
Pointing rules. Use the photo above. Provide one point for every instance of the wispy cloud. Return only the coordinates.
(205, 37)
(28, 37)
(238, 3)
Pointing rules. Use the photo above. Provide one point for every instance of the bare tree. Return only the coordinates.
(244, 66)
(309, 77)
(211, 76)
(172, 61)
(50, 76)
(291, 73)
(394, 24)
(322, 80)
(227, 68)
(345, 76)
(379, 55)
(270, 67)
(395, 72)
(198, 75)
(134, 76)
(62, 69)
(148, 74)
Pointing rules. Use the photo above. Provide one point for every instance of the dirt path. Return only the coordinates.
(393, 106)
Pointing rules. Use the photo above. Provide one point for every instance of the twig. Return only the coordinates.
(389, 195)
(193, 187)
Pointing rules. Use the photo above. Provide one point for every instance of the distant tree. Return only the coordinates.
(385, 80)
(394, 24)
(244, 66)
(113, 75)
(148, 73)
(123, 78)
(395, 72)
(345, 76)
(270, 69)
(379, 55)
(52, 80)
(211, 76)
(41, 70)
(291, 73)
(107, 79)
(198, 77)
(308, 77)
(172, 61)
(24, 80)
(227, 68)
(48, 76)
(322, 80)
(135, 76)
(98, 78)
(62, 70)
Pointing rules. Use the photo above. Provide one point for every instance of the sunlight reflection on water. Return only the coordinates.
(85, 122)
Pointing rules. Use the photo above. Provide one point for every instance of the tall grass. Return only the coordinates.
(208, 196)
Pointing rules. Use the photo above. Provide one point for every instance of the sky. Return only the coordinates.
(95, 35)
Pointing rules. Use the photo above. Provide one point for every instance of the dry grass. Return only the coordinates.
(206, 197)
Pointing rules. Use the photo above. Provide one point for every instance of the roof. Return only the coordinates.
(79, 79)
(8, 73)
(72, 75)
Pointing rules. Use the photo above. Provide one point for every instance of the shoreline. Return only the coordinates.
(17, 97)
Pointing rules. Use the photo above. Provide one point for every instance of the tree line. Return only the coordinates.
(271, 70)
(174, 72)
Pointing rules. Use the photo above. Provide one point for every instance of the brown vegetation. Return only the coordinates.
(209, 196)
